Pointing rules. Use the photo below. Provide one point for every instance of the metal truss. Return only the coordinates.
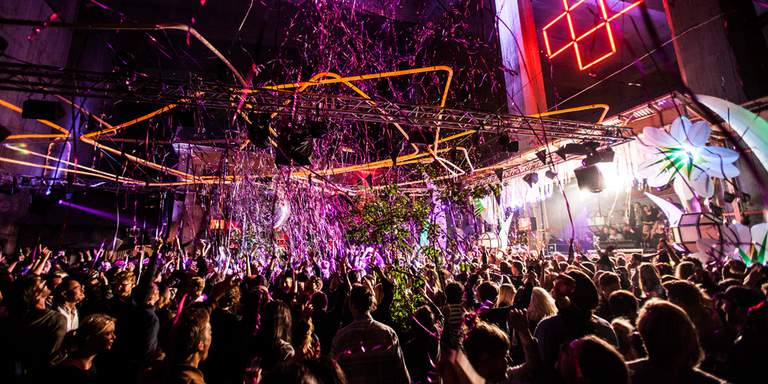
(193, 90)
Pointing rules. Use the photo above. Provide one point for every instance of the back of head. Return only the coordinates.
(454, 292)
(27, 291)
(684, 294)
(584, 296)
(685, 270)
(319, 301)
(599, 362)
(649, 277)
(609, 282)
(506, 294)
(487, 291)
(623, 304)
(542, 305)
(361, 298)
(425, 317)
(484, 339)
(669, 336)
(276, 322)
(188, 334)
(326, 370)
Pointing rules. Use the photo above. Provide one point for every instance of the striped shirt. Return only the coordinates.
(454, 320)
(369, 352)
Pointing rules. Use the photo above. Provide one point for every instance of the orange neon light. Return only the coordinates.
(574, 40)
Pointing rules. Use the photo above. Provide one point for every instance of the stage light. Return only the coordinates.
(531, 178)
(578, 149)
(604, 156)
(551, 174)
(729, 197)
(542, 155)
(42, 110)
(589, 178)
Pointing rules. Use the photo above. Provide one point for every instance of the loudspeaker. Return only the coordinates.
(589, 178)
(4, 133)
(42, 110)
(258, 129)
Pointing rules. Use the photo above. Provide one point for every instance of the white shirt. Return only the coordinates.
(72, 319)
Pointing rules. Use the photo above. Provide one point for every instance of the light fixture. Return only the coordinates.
(605, 156)
(542, 155)
(550, 174)
(531, 178)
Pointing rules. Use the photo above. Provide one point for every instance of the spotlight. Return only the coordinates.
(258, 129)
(589, 178)
(604, 156)
(745, 198)
(4, 133)
(550, 174)
(729, 197)
(531, 179)
(508, 144)
(583, 149)
(42, 110)
(542, 155)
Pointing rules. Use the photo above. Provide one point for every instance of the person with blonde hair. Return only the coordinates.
(506, 295)
(95, 335)
(542, 305)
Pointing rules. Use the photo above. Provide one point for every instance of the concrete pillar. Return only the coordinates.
(719, 47)
(521, 57)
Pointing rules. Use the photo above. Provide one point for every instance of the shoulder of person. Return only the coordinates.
(702, 377)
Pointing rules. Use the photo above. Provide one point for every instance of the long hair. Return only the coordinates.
(542, 305)
(669, 335)
(649, 278)
(276, 323)
(506, 295)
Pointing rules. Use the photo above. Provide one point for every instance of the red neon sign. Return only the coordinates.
(605, 23)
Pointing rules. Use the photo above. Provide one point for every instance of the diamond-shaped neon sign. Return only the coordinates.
(565, 19)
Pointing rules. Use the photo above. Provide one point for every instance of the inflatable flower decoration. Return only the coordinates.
(682, 157)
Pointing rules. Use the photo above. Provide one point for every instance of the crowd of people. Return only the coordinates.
(519, 318)
(643, 228)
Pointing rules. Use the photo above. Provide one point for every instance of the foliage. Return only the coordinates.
(391, 219)
(405, 300)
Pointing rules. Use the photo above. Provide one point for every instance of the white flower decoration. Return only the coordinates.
(683, 157)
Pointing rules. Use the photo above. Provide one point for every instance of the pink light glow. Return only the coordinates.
(568, 9)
